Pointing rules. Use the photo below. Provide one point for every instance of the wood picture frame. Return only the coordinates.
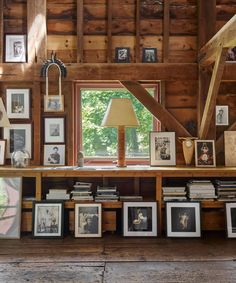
(54, 130)
(15, 48)
(149, 55)
(230, 148)
(122, 55)
(54, 154)
(2, 151)
(205, 153)
(222, 115)
(54, 103)
(230, 212)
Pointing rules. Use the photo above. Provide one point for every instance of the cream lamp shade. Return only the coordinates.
(4, 121)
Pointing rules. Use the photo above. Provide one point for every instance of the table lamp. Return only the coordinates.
(120, 114)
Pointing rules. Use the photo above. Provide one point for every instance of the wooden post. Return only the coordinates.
(109, 31)
(166, 31)
(80, 39)
(121, 147)
(137, 47)
(1, 31)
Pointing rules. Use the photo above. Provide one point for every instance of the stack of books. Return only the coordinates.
(131, 198)
(106, 193)
(59, 194)
(226, 190)
(201, 190)
(82, 191)
(174, 193)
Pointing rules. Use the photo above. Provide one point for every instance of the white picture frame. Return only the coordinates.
(205, 153)
(2, 151)
(15, 48)
(54, 154)
(222, 115)
(54, 130)
(230, 209)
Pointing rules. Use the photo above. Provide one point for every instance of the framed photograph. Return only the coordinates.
(54, 130)
(122, 54)
(222, 115)
(230, 148)
(54, 154)
(149, 55)
(2, 151)
(48, 219)
(54, 103)
(183, 219)
(88, 220)
(15, 48)
(18, 103)
(205, 153)
(162, 148)
(140, 219)
(230, 209)
(231, 55)
(19, 137)
(10, 207)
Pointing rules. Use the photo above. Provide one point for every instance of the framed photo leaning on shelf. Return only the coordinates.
(222, 115)
(140, 219)
(183, 219)
(15, 48)
(54, 154)
(2, 151)
(205, 153)
(230, 148)
(54, 130)
(230, 209)
(149, 55)
(122, 55)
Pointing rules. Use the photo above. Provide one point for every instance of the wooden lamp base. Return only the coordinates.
(121, 147)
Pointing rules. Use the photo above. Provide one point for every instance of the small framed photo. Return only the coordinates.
(122, 54)
(88, 220)
(48, 219)
(54, 130)
(15, 48)
(149, 55)
(18, 103)
(205, 153)
(19, 137)
(222, 115)
(230, 209)
(140, 219)
(2, 151)
(183, 219)
(54, 154)
(162, 148)
(230, 148)
(54, 103)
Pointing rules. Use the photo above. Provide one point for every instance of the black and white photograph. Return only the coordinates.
(183, 219)
(18, 103)
(54, 154)
(2, 151)
(19, 137)
(222, 115)
(48, 219)
(122, 54)
(162, 148)
(230, 209)
(231, 55)
(140, 219)
(15, 48)
(88, 220)
(54, 103)
(205, 153)
(149, 55)
(54, 130)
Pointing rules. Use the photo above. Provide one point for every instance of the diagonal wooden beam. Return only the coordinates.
(155, 108)
(220, 141)
(212, 93)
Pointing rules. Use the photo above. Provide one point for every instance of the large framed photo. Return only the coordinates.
(18, 103)
(222, 115)
(54, 154)
(88, 220)
(162, 148)
(149, 55)
(183, 219)
(230, 209)
(54, 103)
(15, 48)
(10, 207)
(122, 55)
(48, 219)
(54, 130)
(140, 219)
(2, 151)
(230, 148)
(18, 137)
(205, 153)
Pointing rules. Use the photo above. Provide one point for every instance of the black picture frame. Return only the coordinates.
(122, 55)
(230, 214)
(149, 55)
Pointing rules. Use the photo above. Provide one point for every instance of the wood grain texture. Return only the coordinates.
(1, 31)
(166, 31)
(80, 35)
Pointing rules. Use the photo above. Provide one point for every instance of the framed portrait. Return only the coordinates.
(122, 54)
(222, 115)
(54, 130)
(88, 220)
(2, 151)
(10, 207)
(183, 219)
(18, 103)
(149, 55)
(54, 103)
(231, 54)
(19, 137)
(162, 149)
(48, 219)
(15, 48)
(140, 219)
(205, 153)
(54, 154)
(230, 209)
(230, 148)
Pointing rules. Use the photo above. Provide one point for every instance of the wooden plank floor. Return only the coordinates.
(116, 259)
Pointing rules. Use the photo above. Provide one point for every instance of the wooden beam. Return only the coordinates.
(220, 141)
(155, 108)
(1, 31)
(212, 93)
(137, 38)
(31, 30)
(109, 31)
(80, 31)
(166, 31)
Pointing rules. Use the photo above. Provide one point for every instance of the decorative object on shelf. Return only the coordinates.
(205, 153)
(20, 158)
(230, 148)
(15, 48)
(4, 121)
(54, 154)
(183, 219)
(162, 148)
(222, 115)
(122, 55)
(230, 209)
(149, 55)
(188, 148)
(140, 219)
(80, 159)
(54, 130)
(120, 114)
(53, 103)
(2, 151)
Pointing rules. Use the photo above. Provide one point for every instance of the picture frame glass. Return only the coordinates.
(231, 219)
(205, 153)
(18, 103)
(15, 48)
(54, 130)
(54, 154)
(149, 55)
